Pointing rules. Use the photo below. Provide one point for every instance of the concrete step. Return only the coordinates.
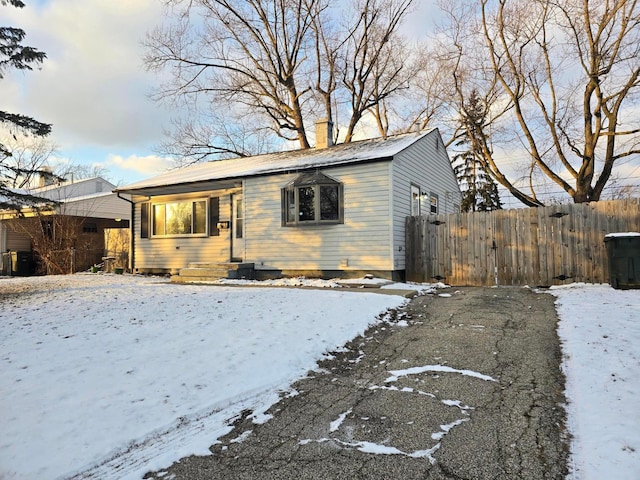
(179, 279)
(209, 272)
(204, 272)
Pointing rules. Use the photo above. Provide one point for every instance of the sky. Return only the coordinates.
(93, 86)
(112, 408)
(94, 89)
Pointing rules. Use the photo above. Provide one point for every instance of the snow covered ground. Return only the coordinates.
(112, 375)
(600, 335)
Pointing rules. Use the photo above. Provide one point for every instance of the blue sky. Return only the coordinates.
(93, 87)
(94, 90)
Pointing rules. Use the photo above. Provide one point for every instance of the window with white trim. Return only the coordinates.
(179, 218)
(433, 203)
(312, 199)
(415, 200)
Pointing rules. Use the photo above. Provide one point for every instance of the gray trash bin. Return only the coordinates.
(623, 252)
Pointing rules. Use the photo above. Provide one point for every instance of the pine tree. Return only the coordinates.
(479, 190)
(13, 54)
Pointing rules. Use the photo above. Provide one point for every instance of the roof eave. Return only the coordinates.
(224, 183)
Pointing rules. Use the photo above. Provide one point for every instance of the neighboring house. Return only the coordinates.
(71, 235)
(333, 211)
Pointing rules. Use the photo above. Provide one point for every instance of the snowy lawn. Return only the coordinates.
(600, 335)
(111, 376)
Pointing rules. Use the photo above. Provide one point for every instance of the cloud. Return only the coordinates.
(147, 165)
(423, 17)
(92, 87)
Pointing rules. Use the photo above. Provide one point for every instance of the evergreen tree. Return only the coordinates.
(479, 190)
(13, 54)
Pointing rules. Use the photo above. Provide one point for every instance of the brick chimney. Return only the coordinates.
(324, 133)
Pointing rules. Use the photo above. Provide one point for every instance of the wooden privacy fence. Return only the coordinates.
(533, 246)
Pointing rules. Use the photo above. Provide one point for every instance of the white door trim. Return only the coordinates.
(237, 227)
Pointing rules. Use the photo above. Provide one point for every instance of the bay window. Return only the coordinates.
(312, 199)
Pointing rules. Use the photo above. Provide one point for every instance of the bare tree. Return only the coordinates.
(430, 100)
(213, 134)
(53, 239)
(243, 66)
(71, 171)
(389, 82)
(249, 53)
(373, 66)
(28, 160)
(327, 42)
(33, 163)
(561, 78)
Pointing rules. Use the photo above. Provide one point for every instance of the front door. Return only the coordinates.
(237, 228)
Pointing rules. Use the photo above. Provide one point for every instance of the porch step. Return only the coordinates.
(208, 272)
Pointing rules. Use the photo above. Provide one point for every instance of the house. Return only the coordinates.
(333, 211)
(87, 219)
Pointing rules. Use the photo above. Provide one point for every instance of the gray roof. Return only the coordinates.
(65, 192)
(297, 160)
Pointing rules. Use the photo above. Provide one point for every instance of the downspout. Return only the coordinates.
(3, 238)
(132, 254)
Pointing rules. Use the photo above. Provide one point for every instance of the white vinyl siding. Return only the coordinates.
(377, 201)
(362, 242)
(79, 188)
(425, 163)
(173, 253)
(106, 206)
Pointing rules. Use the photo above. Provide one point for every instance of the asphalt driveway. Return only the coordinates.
(466, 386)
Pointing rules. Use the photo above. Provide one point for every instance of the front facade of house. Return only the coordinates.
(337, 211)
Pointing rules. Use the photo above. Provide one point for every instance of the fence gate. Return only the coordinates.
(533, 246)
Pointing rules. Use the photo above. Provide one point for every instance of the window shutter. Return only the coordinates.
(283, 206)
(214, 216)
(144, 220)
(341, 203)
